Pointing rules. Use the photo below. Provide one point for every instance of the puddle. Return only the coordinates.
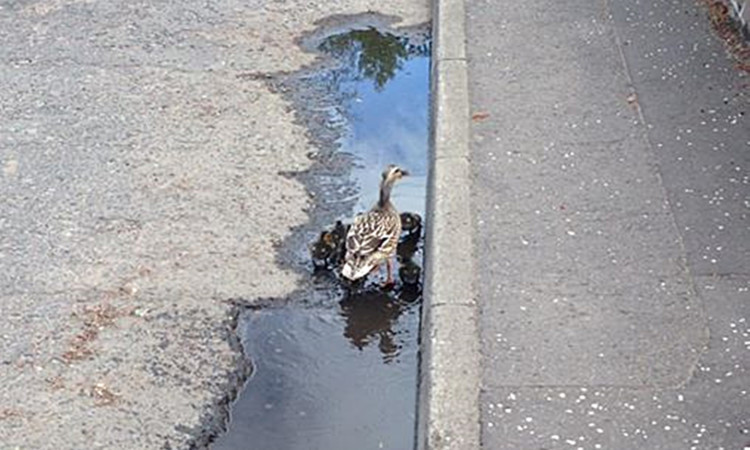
(389, 107)
(329, 379)
(340, 371)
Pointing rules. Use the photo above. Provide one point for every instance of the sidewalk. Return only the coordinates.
(610, 150)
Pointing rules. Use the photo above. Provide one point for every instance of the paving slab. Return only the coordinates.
(609, 148)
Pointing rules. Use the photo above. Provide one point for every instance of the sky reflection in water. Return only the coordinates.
(345, 377)
(387, 81)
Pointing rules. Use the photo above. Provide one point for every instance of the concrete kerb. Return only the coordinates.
(450, 363)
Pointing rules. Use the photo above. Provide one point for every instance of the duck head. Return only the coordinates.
(391, 174)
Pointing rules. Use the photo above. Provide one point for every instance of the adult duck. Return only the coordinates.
(373, 236)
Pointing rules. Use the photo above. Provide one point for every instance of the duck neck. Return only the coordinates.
(385, 194)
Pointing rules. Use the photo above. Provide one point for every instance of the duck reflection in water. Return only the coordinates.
(372, 315)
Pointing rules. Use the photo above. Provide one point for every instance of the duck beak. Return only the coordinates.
(404, 173)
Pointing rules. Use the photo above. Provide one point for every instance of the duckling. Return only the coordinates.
(338, 235)
(373, 236)
(408, 246)
(411, 222)
(409, 293)
(409, 272)
(330, 246)
(322, 250)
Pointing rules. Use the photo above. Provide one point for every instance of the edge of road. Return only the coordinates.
(449, 380)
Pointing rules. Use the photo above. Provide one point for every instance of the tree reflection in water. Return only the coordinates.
(376, 55)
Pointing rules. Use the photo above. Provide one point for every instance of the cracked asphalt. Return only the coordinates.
(139, 193)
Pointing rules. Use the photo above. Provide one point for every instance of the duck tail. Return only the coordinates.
(352, 271)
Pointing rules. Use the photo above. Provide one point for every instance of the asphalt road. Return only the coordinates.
(140, 190)
(611, 149)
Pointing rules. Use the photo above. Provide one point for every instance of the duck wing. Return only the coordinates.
(372, 233)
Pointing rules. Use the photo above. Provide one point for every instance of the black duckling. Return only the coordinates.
(411, 222)
(409, 272)
(410, 293)
(408, 246)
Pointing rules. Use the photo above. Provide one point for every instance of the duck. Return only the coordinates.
(408, 246)
(338, 235)
(330, 247)
(411, 222)
(409, 272)
(373, 236)
(322, 249)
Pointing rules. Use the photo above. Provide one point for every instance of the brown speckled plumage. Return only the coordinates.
(373, 237)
